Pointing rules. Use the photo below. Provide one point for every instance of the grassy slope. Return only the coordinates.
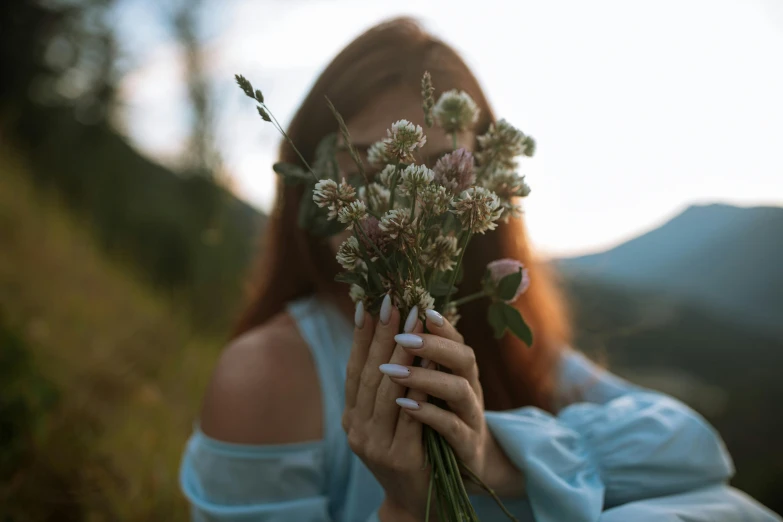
(126, 367)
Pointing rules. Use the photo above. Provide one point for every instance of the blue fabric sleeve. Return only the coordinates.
(227, 482)
(628, 445)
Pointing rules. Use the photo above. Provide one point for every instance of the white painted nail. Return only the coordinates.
(424, 363)
(408, 404)
(410, 322)
(394, 370)
(358, 317)
(435, 317)
(386, 309)
(409, 340)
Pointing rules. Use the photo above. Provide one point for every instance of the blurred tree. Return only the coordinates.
(185, 233)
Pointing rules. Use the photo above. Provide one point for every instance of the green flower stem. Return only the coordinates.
(393, 187)
(472, 297)
(459, 264)
(429, 497)
(454, 140)
(459, 485)
(290, 142)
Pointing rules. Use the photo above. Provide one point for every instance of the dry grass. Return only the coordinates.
(128, 369)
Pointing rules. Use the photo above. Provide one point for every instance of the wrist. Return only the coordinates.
(390, 511)
(502, 475)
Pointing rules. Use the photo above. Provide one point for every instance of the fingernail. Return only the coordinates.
(409, 340)
(410, 322)
(424, 363)
(358, 317)
(408, 404)
(394, 370)
(435, 317)
(386, 309)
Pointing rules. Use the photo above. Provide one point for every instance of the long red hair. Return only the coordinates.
(293, 264)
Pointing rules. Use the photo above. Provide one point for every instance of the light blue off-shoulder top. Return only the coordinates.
(613, 453)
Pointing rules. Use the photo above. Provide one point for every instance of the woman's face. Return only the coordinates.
(370, 125)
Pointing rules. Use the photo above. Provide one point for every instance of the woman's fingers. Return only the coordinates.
(362, 337)
(380, 352)
(386, 411)
(455, 390)
(409, 429)
(438, 325)
(455, 356)
(457, 433)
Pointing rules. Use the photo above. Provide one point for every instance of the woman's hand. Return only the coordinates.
(386, 404)
(386, 439)
(464, 426)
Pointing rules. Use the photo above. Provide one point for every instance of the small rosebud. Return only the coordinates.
(504, 267)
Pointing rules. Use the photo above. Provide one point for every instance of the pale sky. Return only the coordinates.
(639, 109)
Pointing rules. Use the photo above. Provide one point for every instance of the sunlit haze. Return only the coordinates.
(639, 109)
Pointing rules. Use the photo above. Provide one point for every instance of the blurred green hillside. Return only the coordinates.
(100, 376)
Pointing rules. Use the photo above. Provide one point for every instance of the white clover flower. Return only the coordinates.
(357, 293)
(415, 178)
(501, 144)
(376, 196)
(435, 199)
(440, 253)
(415, 295)
(398, 226)
(387, 175)
(327, 193)
(478, 209)
(456, 111)
(376, 154)
(404, 138)
(348, 255)
(508, 186)
(353, 212)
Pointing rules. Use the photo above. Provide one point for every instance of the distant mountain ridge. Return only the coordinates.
(726, 258)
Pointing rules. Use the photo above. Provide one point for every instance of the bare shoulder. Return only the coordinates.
(265, 388)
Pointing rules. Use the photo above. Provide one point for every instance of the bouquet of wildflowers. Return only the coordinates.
(410, 226)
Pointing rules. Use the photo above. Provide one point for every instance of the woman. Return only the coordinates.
(307, 420)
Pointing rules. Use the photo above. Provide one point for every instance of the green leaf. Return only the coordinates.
(352, 278)
(497, 318)
(509, 285)
(292, 174)
(325, 163)
(517, 325)
(307, 210)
